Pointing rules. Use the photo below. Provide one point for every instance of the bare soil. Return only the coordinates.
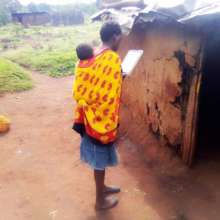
(42, 178)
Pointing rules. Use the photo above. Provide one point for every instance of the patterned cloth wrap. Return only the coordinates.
(97, 90)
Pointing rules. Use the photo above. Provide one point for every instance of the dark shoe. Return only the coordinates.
(107, 203)
(111, 190)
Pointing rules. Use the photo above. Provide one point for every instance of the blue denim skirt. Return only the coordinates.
(96, 156)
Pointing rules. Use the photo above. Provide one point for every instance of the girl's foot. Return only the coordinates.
(106, 203)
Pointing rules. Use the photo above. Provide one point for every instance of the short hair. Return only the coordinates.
(84, 51)
(108, 30)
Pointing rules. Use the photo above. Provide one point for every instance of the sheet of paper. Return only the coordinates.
(131, 60)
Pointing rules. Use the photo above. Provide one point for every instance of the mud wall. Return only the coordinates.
(35, 19)
(155, 96)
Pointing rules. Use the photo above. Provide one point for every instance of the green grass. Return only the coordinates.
(50, 50)
(13, 77)
(55, 64)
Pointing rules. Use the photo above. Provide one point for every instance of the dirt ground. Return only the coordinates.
(42, 178)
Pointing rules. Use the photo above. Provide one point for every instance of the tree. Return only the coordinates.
(98, 3)
(42, 7)
(32, 7)
(6, 8)
(13, 6)
(87, 9)
(118, 4)
(3, 17)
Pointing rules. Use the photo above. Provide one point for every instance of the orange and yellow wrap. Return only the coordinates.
(97, 90)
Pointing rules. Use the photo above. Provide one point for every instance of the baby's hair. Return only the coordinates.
(84, 51)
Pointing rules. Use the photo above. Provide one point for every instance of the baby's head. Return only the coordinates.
(84, 51)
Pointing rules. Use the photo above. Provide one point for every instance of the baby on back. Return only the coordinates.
(84, 52)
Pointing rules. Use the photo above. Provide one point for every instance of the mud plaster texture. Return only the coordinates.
(155, 96)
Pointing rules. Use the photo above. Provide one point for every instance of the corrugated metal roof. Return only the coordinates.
(212, 9)
(183, 10)
(189, 12)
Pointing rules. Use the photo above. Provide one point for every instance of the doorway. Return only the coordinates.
(208, 143)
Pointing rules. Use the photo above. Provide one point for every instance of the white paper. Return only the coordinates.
(131, 60)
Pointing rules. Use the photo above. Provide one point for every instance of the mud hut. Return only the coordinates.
(33, 18)
(174, 91)
(72, 17)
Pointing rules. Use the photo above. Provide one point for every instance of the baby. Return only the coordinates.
(84, 52)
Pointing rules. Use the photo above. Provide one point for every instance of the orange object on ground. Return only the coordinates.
(4, 124)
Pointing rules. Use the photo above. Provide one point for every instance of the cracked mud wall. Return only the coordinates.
(155, 96)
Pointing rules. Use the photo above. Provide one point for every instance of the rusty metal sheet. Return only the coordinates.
(183, 11)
